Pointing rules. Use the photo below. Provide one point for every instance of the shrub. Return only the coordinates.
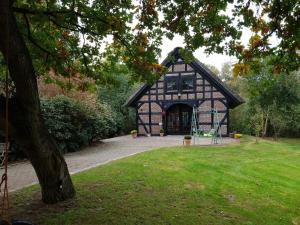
(73, 124)
(116, 96)
(238, 135)
(133, 132)
(272, 105)
(188, 137)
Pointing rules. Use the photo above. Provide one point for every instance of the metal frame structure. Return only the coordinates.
(198, 131)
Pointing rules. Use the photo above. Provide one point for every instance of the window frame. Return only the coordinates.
(179, 83)
(193, 78)
(167, 79)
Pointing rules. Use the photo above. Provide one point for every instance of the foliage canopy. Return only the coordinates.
(273, 102)
(69, 35)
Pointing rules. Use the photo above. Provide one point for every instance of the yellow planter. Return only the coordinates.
(238, 135)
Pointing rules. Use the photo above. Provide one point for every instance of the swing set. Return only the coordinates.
(199, 130)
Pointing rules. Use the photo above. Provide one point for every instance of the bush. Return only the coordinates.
(116, 96)
(74, 125)
(133, 132)
(272, 105)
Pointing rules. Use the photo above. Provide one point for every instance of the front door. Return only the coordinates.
(179, 119)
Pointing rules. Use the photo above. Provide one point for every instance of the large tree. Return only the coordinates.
(37, 35)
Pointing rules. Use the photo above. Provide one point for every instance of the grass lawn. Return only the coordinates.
(244, 183)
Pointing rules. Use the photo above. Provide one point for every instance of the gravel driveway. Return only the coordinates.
(22, 174)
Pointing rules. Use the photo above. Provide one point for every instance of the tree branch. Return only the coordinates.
(84, 57)
(54, 12)
(31, 39)
(39, 12)
(78, 28)
(62, 26)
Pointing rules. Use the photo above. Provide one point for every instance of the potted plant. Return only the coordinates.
(161, 132)
(133, 133)
(187, 140)
(238, 136)
(231, 135)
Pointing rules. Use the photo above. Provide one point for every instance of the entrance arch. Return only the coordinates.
(178, 119)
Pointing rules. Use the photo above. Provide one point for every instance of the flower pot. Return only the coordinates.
(232, 135)
(161, 134)
(134, 135)
(237, 136)
(187, 142)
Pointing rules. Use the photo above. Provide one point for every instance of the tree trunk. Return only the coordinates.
(26, 120)
(275, 133)
(266, 124)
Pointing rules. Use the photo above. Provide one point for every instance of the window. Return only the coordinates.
(171, 84)
(187, 83)
(176, 83)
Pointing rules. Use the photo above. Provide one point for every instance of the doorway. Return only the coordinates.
(179, 119)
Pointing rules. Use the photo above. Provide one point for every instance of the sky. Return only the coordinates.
(213, 59)
(216, 60)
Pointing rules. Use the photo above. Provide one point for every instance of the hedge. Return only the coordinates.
(74, 125)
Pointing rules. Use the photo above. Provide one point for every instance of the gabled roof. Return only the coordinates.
(233, 98)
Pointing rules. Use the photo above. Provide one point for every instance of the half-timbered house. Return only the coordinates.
(168, 104)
